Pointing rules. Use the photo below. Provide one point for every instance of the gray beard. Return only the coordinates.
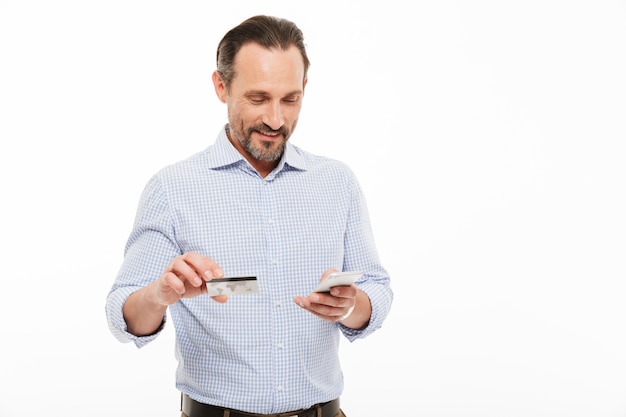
(264, 154)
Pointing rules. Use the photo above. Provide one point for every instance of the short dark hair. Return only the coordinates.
(267, 31)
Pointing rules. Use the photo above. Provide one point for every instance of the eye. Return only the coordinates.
(256, 99)
(291, 99)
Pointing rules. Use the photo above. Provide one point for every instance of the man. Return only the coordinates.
(253, 204)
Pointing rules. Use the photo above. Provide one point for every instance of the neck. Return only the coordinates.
(261, 166)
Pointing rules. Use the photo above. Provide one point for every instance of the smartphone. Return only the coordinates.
(338, 278)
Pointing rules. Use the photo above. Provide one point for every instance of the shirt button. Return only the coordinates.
(279, 345)
(279, 388)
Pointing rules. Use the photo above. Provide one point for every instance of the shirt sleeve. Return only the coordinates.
(149, 249)
(362, 254)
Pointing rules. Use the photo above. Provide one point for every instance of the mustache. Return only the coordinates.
(266, 130)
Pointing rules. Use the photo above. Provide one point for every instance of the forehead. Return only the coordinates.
(259, 68)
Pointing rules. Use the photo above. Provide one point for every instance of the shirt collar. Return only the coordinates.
(224, 153)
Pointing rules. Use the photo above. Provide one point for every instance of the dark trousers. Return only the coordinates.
(339, 414)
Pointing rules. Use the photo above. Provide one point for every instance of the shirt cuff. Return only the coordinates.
(380, 299)
(117, 324)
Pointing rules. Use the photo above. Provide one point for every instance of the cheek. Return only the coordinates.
(245, 113)
(291, 114)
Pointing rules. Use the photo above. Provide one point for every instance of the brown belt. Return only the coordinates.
(193, 408)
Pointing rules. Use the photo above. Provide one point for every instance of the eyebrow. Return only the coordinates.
(265, 93)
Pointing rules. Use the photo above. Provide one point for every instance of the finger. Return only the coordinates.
(171, 280)
(327, 306)
(220, 298)
(327, 273)
(344, 291)
(326, 312)
(185, 272)
(302, 301)
(204, 266)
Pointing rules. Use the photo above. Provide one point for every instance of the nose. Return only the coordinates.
(273, 116)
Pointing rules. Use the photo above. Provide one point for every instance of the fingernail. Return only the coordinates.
(208, 274)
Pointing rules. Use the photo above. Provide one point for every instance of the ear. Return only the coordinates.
(220, 87)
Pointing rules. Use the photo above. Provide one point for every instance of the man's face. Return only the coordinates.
(264, 100)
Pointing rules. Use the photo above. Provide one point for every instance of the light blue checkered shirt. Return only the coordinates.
(258, 352)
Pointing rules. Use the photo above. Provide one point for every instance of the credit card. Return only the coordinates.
(232, 285)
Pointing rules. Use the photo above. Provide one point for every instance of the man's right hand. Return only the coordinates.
(184, 277)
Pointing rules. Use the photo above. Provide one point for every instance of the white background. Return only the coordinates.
(488, 137)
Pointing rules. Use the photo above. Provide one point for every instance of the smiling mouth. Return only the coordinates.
(269, 137)
(269, 134)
